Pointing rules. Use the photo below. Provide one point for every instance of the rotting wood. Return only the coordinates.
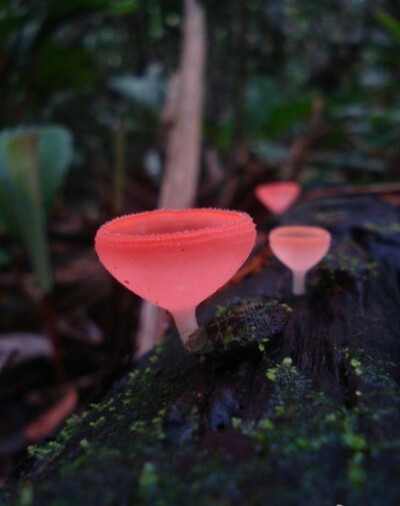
(296, 402)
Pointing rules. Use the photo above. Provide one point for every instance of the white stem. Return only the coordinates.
(186, 323)
(299, 282)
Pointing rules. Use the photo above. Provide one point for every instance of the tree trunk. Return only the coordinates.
(183, 121)
(184, 141)
(283, 401)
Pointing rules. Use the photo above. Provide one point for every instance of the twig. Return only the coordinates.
(183, 149)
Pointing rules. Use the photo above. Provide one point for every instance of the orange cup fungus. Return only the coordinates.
(300, 248)
(176, 258)
(278, 197)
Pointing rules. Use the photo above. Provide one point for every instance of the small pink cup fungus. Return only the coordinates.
(176, 258)
(299, 248)
(278, 197)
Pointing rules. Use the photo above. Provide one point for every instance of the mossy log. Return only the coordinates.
(284, 401)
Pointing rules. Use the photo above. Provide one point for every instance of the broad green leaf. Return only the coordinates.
(390, 23)
(22, 158)
(13, 207)
(55, 153)
(33, 164)
(55, 157)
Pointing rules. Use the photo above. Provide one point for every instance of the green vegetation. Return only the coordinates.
(33, 166)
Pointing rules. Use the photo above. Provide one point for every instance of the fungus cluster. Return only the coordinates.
(177, 258)
(298, 247)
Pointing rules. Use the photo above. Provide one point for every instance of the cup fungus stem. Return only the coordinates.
(185, 322)
(299, 282)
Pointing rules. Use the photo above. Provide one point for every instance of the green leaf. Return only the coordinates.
(22, 161)
(22, 156)
(391, 24)
(33, 164)
(13, 208)
(55, 157)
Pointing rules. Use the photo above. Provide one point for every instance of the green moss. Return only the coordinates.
(240, 325)
(339, 265)
(44, 450)
(301, 432)
(97, 423)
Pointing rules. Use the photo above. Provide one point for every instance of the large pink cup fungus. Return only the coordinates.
(176, 258)
(278, 197)
(300, 248)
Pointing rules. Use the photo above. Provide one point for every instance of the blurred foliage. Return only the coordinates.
(33, 165)
(391, 24)
(87, 63)
(145, 94)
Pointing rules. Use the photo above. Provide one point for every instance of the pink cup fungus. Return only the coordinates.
(300, 248)
(278, 197)
(176, 258)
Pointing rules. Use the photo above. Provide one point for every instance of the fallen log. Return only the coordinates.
(283, 400)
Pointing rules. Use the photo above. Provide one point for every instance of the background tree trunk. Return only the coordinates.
(182, 120)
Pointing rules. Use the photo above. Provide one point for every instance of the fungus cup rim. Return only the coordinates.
(300, 233)
(293, 185)
(239, 220)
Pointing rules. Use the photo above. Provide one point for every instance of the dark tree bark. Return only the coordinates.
(287, 401)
